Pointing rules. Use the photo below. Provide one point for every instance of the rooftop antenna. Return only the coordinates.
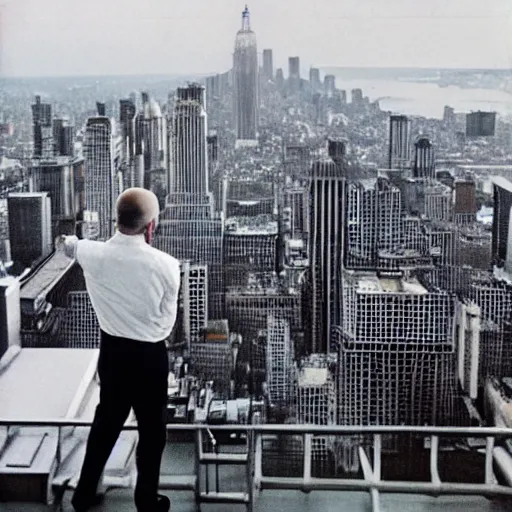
(246, 21)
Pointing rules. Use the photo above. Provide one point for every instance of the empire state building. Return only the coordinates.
(245, 71)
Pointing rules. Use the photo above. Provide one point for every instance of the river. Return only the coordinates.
(428, 99)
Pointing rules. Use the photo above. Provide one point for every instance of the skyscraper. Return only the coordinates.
(294, 74)
(189, 230)
(42, 126)
(30, 227)
(127, 111)
(314, 79)
(100, 177)
(279, 78)
(151, 141)
(397, 344)
(57, 177)
(268, 64)
(329, 85)
(501, 220)
(424, 162)
(245, 66)
(398, 142)
(279, 360)
(63, 138)
(189, 173)
(326, 229)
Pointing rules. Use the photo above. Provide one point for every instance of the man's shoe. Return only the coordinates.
(163, 503)
(81, 505)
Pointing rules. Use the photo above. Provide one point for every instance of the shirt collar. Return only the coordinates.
(121, 238)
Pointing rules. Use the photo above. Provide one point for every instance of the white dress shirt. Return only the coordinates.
(133, 287)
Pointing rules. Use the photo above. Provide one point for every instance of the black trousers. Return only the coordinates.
(132, 374)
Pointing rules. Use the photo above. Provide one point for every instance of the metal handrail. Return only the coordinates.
(340, 430)
(372, 481)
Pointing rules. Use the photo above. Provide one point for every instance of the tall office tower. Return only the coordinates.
(298, 159)
(189, 174)
(438, 201)
(314, 79)
(501, 221)
(329, 85)
(316, 395)
(213, 146)
(249, 306)
(398, 156)
(374, 224)
(249, 248)
(357, 96)
(245, 68)
(151, 141)
(101, 109)
(189, 229)
(199, 240)
(295, 198)
(337, 151)
(127, 112)
(211, 357)
(397, 345)
(193, 302)
(494, 298)
(101, 187)
(63, 138)
(279, 79)
(30, 226)
(42, 126)
(268, 64)
(10, 314)
(279, 359)
(424, 159)
(56, 177)
(465, 206)
(217, 86)
(294, 74)
(326, 231)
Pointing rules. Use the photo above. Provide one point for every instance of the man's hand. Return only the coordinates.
(67, 245)
(60, 243)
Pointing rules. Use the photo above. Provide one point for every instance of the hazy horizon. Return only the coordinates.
(53, 38)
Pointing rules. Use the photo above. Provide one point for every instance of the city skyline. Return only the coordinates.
(366, 35)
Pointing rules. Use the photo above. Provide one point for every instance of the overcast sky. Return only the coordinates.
(77, 37)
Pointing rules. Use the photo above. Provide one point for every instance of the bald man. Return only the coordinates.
(134, 292)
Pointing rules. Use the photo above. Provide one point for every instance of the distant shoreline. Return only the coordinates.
(357, 72)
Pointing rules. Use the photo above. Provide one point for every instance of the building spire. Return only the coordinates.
(246, 20)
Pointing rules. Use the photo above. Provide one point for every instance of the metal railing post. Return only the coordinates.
(249, 470)
(197, 469)
(308, 442)
(258, 462)
(377, 450)
(377, 447)
(489, 448)
(434, 451)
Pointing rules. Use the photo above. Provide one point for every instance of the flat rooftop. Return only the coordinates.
(371, 283)
(31, 385)
(313, 377)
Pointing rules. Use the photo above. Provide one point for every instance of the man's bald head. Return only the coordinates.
(136, 208)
